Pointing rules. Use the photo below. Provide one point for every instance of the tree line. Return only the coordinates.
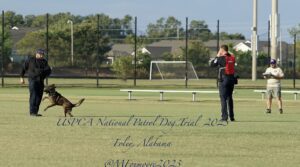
(111, 31)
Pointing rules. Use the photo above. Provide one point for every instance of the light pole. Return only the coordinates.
(274, 29)
(72, 50)
(254, 41)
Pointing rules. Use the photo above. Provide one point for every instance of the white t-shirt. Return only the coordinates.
(277, 72)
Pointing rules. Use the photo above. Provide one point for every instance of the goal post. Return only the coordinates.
(171, 70)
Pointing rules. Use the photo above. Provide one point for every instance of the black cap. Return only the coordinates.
(40, 51)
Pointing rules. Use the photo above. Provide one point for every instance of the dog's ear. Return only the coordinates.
(52, 86)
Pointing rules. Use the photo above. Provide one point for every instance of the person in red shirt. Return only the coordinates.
(226, 80)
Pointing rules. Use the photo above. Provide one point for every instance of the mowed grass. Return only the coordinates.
(255, 139)
(149, 84)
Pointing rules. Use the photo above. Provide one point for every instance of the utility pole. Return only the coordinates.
(254, 40)
(274, 29)
(2, 50)
(269, 41)
(72, 42)
(294, 62)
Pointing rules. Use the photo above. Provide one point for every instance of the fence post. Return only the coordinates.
(47, 41)
(135, 48)
(186, 50)
(218, 45)
(218, 35)
(98, 49)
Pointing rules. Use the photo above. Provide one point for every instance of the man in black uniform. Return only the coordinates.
(225, 63)
(38, 69)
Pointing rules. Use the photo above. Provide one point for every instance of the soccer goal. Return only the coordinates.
(171, 70)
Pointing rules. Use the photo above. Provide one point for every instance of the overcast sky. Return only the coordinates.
(235, 15)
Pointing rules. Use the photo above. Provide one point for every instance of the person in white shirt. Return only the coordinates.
(273, 74)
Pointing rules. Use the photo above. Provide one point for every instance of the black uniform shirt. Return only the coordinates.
(38, 69)
(219, 62)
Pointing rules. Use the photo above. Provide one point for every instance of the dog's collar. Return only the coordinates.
(54, 94)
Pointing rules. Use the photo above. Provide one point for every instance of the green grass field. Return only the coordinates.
(255, 139)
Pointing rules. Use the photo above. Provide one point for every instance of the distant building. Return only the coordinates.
(263, 48)
(243, 46)
(15, 28)
(157, 49)
(176, 45)
(155, 52)
(212, 45)
(143, 50)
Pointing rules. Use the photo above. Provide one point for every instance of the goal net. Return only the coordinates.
(171, 70)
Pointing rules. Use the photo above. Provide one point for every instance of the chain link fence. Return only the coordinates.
(95, 48)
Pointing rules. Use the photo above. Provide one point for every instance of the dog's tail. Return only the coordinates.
(79, 102)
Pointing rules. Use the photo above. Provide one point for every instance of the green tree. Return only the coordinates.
(86, 44)
(39, 21)
(13, 19)
(165, 28)
(198, 54)
(59, 44)
(28, 19)
(243, 61)
(85, 41)
(123, 67)
(144, 60)
(296, 31)
(7, 46)
(32, 40)
(156, 30)
(199, 30)
(262, 59)
(168, 56)
(227, 36)
(143, 64)
(126, 25)
(115, 28)
(172, 26)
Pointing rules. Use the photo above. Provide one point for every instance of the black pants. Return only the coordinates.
(36, 88)
(225, 89)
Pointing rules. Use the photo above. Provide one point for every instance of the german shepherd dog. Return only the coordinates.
(57, 99)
